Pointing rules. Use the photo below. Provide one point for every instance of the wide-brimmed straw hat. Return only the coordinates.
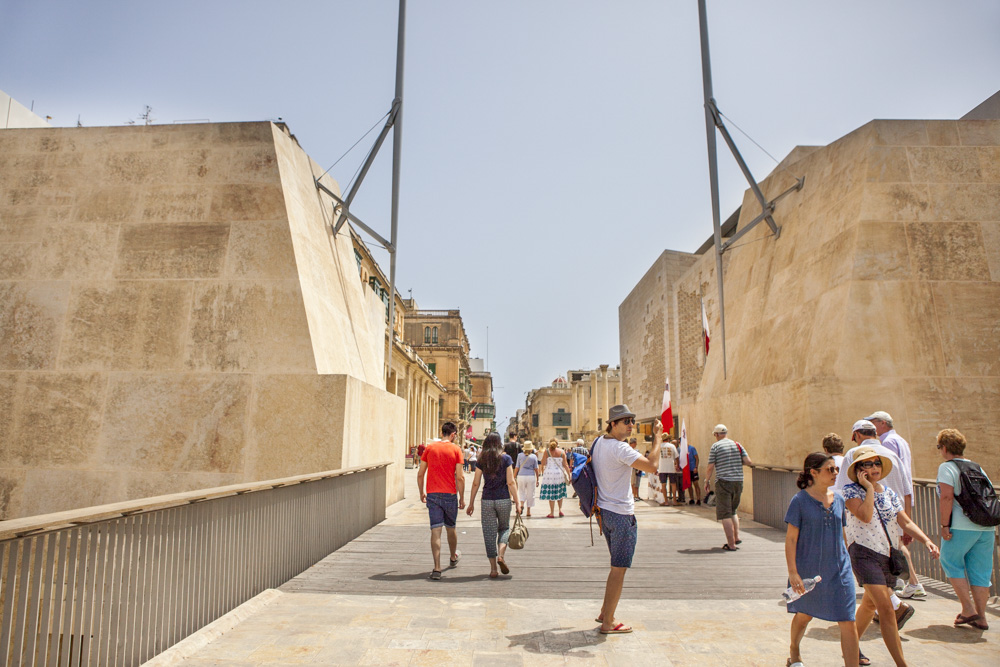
(867, 454)
(527, 446)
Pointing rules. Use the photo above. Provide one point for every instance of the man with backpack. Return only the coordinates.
(613, 460)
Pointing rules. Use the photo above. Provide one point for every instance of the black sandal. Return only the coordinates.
(726, 547)
(863, 659)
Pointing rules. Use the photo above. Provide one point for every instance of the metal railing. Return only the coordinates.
(774, 486)
(118, 584)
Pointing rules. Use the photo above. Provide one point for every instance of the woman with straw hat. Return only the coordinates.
(875, 521)
(526, 472)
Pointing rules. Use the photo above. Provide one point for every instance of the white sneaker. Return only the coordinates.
(900, 584)
(911, 591)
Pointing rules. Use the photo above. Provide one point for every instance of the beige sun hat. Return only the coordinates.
(527, 446)
(867, 454)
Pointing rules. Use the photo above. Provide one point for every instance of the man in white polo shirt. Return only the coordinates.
(613, 459)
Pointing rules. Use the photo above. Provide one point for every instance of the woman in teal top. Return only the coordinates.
(966, 547)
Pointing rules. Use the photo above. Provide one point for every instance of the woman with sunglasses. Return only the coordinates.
(814, 545)
(875, 521)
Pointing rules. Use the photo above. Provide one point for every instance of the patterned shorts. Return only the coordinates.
(621, 532)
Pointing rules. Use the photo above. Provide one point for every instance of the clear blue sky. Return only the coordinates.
(552, 149)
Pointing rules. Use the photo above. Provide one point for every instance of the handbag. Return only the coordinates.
(897, 561)
(518, 534)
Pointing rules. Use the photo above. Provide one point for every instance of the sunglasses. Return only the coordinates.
(833, 469)
(628, 420)
(870, 464)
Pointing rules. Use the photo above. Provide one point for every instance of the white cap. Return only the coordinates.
(720, 428)
(863, 425)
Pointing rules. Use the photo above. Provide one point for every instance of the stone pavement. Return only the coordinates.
(523, 619)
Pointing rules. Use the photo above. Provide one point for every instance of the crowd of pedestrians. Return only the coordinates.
(850, 523)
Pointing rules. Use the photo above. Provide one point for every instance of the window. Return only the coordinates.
(562, 418)
(432, 368)
(434, 336)
(357, 256)
(534, 421)
(427, 334)
(562, 434)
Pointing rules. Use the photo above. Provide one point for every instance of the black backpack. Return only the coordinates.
(978, 497)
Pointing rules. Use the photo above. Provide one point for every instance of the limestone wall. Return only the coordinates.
(882, 293)
(174, 316)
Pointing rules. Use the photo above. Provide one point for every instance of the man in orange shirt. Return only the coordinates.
(441, 463)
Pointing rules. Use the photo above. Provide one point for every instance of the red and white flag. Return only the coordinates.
(667, 414)
(684, 463)
(704, 326)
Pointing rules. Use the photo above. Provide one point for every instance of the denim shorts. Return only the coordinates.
(621, 532)
(443, 509)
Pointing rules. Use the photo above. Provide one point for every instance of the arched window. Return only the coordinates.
(427, 334)
(434, 336)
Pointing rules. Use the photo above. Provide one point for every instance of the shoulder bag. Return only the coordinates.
(518, 534)
(897, 561)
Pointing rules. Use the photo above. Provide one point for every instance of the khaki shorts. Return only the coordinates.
(727, 498)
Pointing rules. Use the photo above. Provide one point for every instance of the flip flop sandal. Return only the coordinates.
(980, 625)
(493, 575)
(726, 547)
(863, 659)
(435, 575)
(962, 620)
(561, 514)
(503, 566)
(739, 541)
(454, 561)
(620, 629)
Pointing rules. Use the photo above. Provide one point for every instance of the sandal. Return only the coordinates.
(561, 514)
(863, 659)
(550, 517)
(493, 575)
(980, 625)
(435, 575)
(726, 547)
(739, 541)
(503, 566)
(797, 663)
(458, 557)
(620, 629)
(962, 620)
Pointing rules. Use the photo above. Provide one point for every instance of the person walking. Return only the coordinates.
(496, 473)
(512, 448)
(875, 516)
(613, 461)
(556, 472)
(636, 473)
(441, 466)
(730, 457)
(814, 546)
(693, 462)
(895, 443)
(966, 547)
(667, 469)
(526, 473)
(473, 458)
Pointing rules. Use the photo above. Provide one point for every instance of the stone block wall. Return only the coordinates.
(167, 295)
(881, 293)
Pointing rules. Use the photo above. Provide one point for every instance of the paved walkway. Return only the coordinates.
(690, 603)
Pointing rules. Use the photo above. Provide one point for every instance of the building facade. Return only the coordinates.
(572, 408)
(882, 292)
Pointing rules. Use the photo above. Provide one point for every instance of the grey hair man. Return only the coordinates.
(894, 442)
(727, 457)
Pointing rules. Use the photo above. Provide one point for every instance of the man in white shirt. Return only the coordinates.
(613, 461)
(895, 443)
(667, 472)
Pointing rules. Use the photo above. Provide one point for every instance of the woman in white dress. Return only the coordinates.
(556, 472)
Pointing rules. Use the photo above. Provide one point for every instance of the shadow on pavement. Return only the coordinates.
(948, 633)
(713, 550)
(558, 641)
(421, 576)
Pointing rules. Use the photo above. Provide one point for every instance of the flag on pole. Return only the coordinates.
(704, 326)
(472, 415)
(667, 414)
(685, 463)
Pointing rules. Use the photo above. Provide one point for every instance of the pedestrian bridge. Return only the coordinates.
(241, 577)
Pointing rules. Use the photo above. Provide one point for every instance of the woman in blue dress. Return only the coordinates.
(814, 545)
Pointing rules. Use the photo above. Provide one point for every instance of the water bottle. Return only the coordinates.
(790, 594)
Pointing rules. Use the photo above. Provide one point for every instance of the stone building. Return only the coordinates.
(409, 376)
(882, 292)
(574, 408)
(482, 415)
(438, 336)
(174, 316)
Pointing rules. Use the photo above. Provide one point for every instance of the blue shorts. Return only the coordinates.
(443, 509)
(621, 532)
(968, 555)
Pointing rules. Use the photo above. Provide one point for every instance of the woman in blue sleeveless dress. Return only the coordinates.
(814, 545)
